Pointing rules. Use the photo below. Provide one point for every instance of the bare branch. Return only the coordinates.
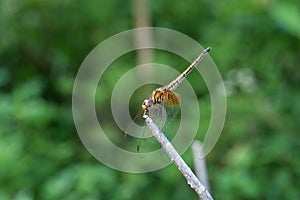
(191, 178)
(200, 164)
(142, 18)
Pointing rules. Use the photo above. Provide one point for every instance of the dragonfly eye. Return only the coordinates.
(147, 104)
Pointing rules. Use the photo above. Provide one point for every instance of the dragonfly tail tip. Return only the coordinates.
(207, 49)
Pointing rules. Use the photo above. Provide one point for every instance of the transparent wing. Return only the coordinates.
(163, 115)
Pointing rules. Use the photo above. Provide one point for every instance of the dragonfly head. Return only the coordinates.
(147, 105)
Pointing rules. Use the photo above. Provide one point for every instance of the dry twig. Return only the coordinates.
(191, 178)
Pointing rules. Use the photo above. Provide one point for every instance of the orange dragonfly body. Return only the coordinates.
(165, 96)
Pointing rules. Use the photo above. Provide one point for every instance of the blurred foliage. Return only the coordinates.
(256, 46)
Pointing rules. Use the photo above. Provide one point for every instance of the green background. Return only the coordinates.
(256, 46)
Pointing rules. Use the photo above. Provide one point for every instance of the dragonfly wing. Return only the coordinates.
(172, 98)
(159, 115)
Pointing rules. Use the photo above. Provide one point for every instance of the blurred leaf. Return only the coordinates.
(287, 16)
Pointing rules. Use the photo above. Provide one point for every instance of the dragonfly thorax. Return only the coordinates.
(158, 95)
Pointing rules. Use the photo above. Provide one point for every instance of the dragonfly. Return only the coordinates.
(166, 93)
(165, 96)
